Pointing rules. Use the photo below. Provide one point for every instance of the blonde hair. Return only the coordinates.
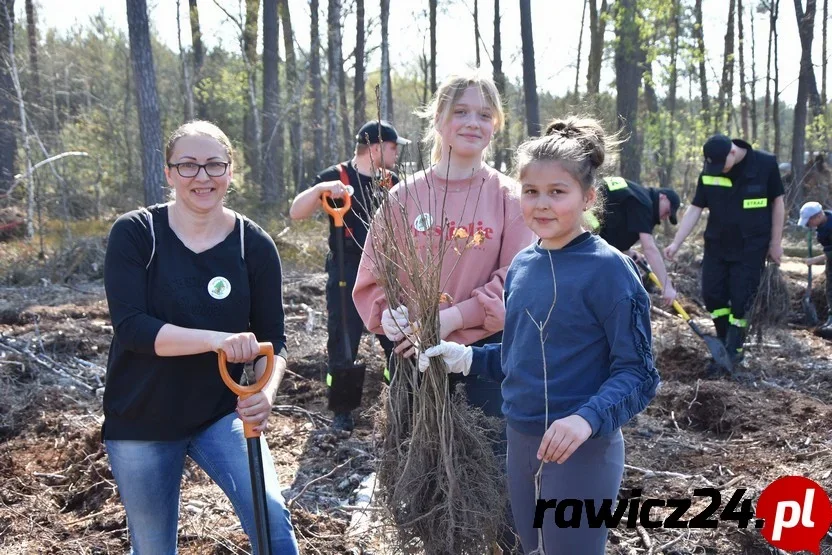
(580, 145)
(199, 127)
(448, 93)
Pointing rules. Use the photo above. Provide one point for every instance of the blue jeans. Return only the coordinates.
(149, 473)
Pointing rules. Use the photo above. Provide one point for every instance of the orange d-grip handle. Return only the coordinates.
(337, 213)
(248, 390)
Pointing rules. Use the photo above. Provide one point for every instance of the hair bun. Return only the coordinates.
(564, 128)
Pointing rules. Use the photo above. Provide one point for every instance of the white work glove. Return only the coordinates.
(457, 357)
(395, 323)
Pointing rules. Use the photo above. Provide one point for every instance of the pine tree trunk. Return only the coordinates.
(33, 90)
(823, 97)
(580, 46)
(252, 130)
(198, 58)
(294, 95)
(359, 100)
(597, 26)
(317, 87)
(699, 37)
(386, 100)
(333, 73)
(8, 107)
(529, 77)
(500, 81)
(805, 24)
(726, 89)
(432, 10)
(743, 96)
(767, 144)
(270, 192)
(346, 133)
(187, 88)
(775, 113)
(477, 31)
(150, 126)
(753, 79)
(627, 79)
(669, 156)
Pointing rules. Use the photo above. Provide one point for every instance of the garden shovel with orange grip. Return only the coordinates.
(715, 346)
(262, 539)
(346, 382)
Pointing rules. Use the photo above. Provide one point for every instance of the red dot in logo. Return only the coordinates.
(797, 514)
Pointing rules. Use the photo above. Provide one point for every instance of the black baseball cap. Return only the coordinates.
(716, 150)
(376, 131)
(674, 203)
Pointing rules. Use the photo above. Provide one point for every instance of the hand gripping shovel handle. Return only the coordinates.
(336, 212)
(248, 390)
(262, 539)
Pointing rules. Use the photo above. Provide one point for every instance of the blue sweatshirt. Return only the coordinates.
(597, 341)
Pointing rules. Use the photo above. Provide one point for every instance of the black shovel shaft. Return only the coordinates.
(262, 538)
(809, 286)
(342, 286)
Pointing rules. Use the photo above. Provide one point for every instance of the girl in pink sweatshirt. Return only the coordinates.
(465, 113)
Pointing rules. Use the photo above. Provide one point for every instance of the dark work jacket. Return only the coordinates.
(629, 210)
(740, 202)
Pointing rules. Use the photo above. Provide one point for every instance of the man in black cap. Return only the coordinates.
(376, 150)
(742, 190)
(631, 211)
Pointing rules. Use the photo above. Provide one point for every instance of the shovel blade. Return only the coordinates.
(718, 351)
(809, 311)
(345, 387)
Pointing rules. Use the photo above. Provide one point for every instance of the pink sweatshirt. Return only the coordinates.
(476, 285)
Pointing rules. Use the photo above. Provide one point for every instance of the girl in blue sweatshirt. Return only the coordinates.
(576, 361)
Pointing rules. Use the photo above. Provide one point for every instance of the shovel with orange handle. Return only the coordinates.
(347, 382)
(262, 539)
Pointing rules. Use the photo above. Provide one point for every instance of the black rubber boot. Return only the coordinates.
(343, 421)
(721, 325)
(733, 343)
(828, 323)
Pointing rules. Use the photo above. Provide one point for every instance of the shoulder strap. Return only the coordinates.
(149, 216)
(342, 172)
(242, 220)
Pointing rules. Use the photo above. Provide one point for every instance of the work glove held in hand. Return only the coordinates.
(395, 323)
(457, 357)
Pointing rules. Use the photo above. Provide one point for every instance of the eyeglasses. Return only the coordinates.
(191, 169)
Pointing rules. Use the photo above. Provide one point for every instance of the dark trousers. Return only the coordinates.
(336, 357)
(829, 282)
(730, 280)
(594, 471)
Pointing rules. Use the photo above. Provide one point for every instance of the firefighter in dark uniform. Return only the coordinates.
(631, 211)
(376, 144)
(742, 190)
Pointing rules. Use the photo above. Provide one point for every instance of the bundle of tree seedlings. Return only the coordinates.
(438, 476)
(772, 302)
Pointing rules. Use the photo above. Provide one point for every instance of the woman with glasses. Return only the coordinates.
(183, 280)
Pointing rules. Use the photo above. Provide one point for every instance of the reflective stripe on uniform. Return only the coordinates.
(328, 379)
(591, 221)
(755, 203)
(720, 312)
(739, 322)
(387, 374)
(718, 181)
(615, 183)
